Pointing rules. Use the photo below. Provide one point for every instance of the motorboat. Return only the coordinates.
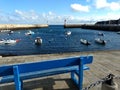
(68, 33)
(101, 34)
(29, 33)
(85, 42)
(118, 32)
(9, 41)
(10, 32)
(100, 41)
(38, 41)
(5, 30)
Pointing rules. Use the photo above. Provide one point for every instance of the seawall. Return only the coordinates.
(94, 27)
(21, 26)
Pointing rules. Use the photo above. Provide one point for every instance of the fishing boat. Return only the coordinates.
(38, 41)
(10, 32)
(5, 30)
(29, 33)
(68, 33)
(9, 41)
(100, 41)
(118, 32)
(101, 34)
(85, 42)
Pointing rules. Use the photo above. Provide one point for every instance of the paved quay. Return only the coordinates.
(104, 62)
(21, 26)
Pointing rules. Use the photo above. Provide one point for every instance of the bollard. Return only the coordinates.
(109, 84)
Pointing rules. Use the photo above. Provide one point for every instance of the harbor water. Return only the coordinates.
(55, 40)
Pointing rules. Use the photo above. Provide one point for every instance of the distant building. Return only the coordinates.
(117, 22)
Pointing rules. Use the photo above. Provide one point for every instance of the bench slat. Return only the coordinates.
(41, 74)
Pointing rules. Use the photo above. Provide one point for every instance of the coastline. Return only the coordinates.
(21, 26)
(32, 58)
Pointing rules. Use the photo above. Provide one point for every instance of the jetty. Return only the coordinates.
(106, 27)
(104, 62)
(21, 26)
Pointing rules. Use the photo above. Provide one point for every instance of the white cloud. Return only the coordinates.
(79, 7)
(114, 6)
(32, 17)
(101, 4)
(105, 4)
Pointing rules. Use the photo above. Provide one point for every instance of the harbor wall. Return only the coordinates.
(94, 27)
(21, 26)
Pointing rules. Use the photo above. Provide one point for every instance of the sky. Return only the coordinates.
(56, 11)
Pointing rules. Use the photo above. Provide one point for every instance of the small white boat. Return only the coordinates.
(10, 32)
(5, 30)
(68, 33)
(29, 33)
(101, 34)
(86, 42)
(38, 41)
(10, 41)
(118, 32)
(100, 41)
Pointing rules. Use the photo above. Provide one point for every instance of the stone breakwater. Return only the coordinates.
(94, 27)
(21, 26)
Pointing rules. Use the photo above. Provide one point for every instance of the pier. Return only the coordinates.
(104, 62)
(106, 27)
(21, 26)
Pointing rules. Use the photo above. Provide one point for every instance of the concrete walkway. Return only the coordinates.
(105, 62)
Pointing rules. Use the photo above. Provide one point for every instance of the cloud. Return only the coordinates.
(30, 15)
(79, 8)
(101, 4)
(33, 17)
(114, 6)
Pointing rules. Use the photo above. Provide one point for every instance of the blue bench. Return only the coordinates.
(18, 72)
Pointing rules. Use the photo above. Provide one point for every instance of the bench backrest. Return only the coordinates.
(44, 65)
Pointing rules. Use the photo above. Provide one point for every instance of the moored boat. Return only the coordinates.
(9, 41)
(86, 42)
(29, 33)
(118, 32)
(68, 33)
(10, 32)
(100, 41)
(38, 41)
(101, 34)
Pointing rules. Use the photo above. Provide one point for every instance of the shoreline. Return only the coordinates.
(22, 26)
(66, 53)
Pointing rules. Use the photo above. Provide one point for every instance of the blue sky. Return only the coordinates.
(56, 11)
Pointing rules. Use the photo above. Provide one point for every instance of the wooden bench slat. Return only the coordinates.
(41, 73)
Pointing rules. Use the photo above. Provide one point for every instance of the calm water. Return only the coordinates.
(55, 41)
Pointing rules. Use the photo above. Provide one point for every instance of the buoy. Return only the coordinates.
(110, 84)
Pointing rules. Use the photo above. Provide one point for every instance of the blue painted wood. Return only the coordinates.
(43, 73)
(17, 78)
(37, 66)
(75, 80)
(82, 60)
(19, 72)
(6, 70)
